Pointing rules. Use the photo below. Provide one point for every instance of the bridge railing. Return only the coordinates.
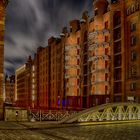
(49, 115)
(107, 112)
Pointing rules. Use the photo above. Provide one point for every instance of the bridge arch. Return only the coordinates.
(106, 112)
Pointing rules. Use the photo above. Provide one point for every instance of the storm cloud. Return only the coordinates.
(29, 24)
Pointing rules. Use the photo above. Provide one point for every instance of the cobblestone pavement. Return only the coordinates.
(126, 131)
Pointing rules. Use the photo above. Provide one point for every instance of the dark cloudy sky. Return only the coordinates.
(29, 24)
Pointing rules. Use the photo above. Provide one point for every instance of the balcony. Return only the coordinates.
(67, 58)
(101, 82)
(106, 31)
(105, 44)
(93, 46)
(71, 76)
(72, 66)
(91, 35)
(68, 47)
(100, 70)
(68, 85)
(72, 55)
(91, 41)
(99, 57)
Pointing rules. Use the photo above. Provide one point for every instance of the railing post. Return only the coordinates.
(120, 112)
(130, 112)
(138, 113)
(40, 115)
(108, 114)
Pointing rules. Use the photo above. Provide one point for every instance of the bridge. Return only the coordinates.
(106, 112)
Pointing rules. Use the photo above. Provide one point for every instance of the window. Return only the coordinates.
(78, 82)
(106, 64)
(133, 9)
(106, 38)
(85, 90)
(78, 62)
(106, 77)
(133, 56)
(93, 78)
(78, 71)
(78, 40)
(133, 41)
(133, 70)
(117, 34)
(137, 6)
(106, 51)
(78, 52)
(117, 87)
(128, 11)
(117, 60)
(117, 47)
(93, 66)
(106, 25)
(117, 74)
(133, 27)
(117, 18)
(96, 12)
(133, 86)
(106, 89)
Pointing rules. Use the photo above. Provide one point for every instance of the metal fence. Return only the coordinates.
(49, 115)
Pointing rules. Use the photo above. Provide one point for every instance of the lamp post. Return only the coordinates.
(58, 102)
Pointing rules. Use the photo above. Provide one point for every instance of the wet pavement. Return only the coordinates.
(17, 131)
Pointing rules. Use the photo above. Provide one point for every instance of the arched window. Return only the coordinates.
(133, 9)
(137, 6)
(128, 11)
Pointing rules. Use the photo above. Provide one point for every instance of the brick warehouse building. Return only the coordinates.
(95, 62)
(9, 89)
(3, 5)
(25, 86)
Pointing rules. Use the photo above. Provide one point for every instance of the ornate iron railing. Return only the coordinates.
(50, 115)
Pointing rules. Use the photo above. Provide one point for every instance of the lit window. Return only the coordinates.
(133, 86)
